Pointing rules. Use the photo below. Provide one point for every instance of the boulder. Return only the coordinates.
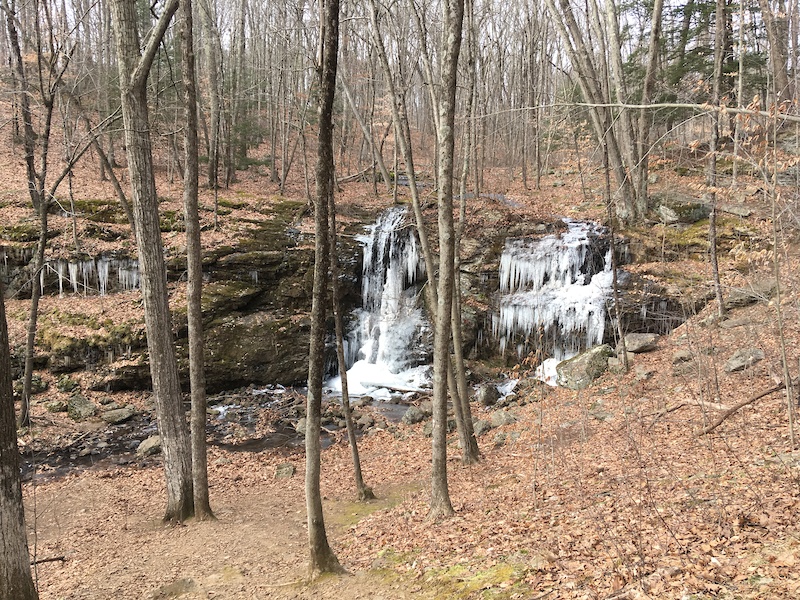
(413, 416)
(641, 342)
(285, 471)
(118, 415)
(56, 406)
(682, 356)
(149, 447)
(743, 358)
(80, 408)
(578, 372)
(481, 426)
(502, 417)
(487, 395)
(761, 290)
(674, 208)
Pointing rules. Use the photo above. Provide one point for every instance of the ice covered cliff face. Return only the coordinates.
(554, 292)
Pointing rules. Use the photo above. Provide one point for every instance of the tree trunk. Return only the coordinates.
(719, 39)
(321, 557)
(453, 23)
(776, 23)
(15, 569)
(211, 45)
(194, 260)
(364, 492)
(133, 70)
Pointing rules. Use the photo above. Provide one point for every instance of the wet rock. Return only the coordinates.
(118, 415)
(759, 291)
(743, 358)
(80, 408)
(487, 394)
(502, 417)
(413, 416)
(285, 471)
(578, 372)
(149, 447)
(481, 426)
(641, 342)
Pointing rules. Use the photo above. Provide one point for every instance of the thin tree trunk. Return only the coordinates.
(194, 287)
(133, 70)
(364, 492)
(15, 568)
(321, 557)
(719, 37)
(453, 23)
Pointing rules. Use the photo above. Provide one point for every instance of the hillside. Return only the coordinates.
(608, 492)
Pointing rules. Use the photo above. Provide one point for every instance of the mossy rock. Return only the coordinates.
(101, 211)
(38, 385)
(224, 297)
(258, 348)
(65, 383)
(20, 232)
(80, 407)
(579, 372)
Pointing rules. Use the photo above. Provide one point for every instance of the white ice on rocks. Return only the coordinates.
(550, 298)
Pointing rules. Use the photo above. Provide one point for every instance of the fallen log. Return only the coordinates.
(744, 403)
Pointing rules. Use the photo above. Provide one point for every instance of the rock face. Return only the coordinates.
(580, 371)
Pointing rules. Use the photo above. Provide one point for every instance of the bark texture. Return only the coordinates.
(15, 570)
(133, 71)
(321, 557)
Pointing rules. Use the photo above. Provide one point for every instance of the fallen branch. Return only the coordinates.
(39, 561)
(742, 404)
(664, 411)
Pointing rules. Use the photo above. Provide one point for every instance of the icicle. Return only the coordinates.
(61, 269)
(128, 274)
(254, 276)
(102, 275)
(554, 292)
(73, 276)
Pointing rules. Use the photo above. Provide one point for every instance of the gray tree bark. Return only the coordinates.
(133, 71)
(321, 557)
(16, 582)
(194, 259)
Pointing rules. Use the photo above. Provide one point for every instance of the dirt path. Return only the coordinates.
(105, 525)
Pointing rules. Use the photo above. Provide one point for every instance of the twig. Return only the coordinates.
(664, 411)
(742, 404)
(39, 561)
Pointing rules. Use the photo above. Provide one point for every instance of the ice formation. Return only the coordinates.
(386, 344)
(554, 292)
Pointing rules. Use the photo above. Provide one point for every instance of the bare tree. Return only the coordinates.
(194, 259)
(321, 557)
(15, 569)
(134, 67)
(453, 24)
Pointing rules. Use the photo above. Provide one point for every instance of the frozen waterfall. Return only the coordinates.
(390, 336)
(554, 292)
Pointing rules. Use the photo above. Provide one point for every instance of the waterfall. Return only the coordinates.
(553, 292)
(391, 334)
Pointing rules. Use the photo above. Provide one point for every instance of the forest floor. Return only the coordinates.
(612, 492)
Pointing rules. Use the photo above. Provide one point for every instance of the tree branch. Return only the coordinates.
(154, 38)
(742, 404)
